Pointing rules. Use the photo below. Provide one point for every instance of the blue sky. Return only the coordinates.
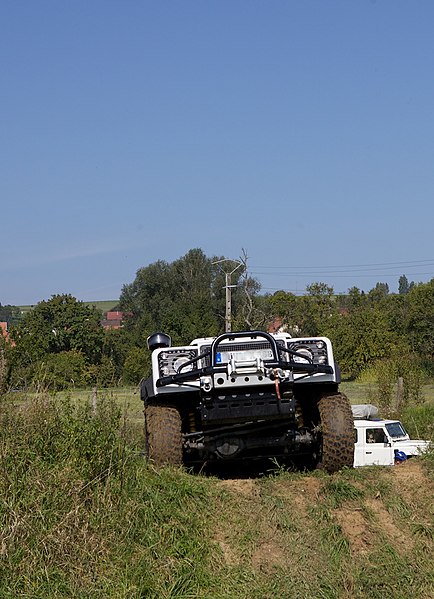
(300, 131)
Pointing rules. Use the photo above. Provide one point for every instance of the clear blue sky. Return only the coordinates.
(301, 131)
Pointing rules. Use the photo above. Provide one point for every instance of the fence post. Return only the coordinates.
(94, 400)
(399, 393)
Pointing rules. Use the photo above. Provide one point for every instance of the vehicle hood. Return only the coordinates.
(412, 446)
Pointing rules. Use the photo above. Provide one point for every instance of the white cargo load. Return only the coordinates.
(365, 411)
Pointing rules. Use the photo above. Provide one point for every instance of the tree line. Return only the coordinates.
(61, 342)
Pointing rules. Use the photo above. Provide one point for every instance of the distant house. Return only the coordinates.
(4, 330)
(276, 326)
(114, 319)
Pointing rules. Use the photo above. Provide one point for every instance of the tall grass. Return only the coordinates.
(80, 513)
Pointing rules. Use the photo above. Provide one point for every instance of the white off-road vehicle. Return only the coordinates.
(381, 442)
(244, 396)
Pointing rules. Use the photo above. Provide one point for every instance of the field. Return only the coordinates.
(103, 306)
(363, 392)
(84, 516)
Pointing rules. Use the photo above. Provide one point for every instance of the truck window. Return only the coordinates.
(375, 435)
(395, 429)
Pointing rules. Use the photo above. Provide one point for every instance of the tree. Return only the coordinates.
(403, 286)
(136, 365)
(185, 298)
(4, 363)
(355, 298)
(10, 314)
(61, 324)
(282, 309)
(317, 307)
(60, 371)
(117, 343)
(419, 323)
(361, 337)
(380, 291)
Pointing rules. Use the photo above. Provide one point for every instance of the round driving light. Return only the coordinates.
(303, 351)
(179, 362)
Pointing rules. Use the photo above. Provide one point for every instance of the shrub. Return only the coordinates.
(135, 365)
(60, 371)
(398, 380)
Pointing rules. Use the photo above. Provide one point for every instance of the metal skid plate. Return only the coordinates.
(244, 407)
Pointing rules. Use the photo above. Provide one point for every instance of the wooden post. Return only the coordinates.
(399, 393)
(94, 399)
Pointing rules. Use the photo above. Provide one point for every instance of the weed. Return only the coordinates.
(423, 530)
(338, 491)
(419, 421)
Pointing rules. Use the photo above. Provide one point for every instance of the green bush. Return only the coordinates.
(398, 382)
(135, 365)
(419, 421)
(47, 431)
(64, 370)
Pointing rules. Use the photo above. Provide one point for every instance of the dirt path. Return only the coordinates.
(258, 509)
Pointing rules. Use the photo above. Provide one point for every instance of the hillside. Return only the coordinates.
(102, 305)
(354, 534)
(82, 515)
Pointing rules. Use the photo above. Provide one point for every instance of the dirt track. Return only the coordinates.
(390, 505)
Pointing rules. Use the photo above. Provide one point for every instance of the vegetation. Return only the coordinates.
(83, 515)
(60, 342)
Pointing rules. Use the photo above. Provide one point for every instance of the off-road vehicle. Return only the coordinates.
(382, 442)
(244, 396)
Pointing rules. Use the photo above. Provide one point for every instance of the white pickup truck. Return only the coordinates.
(381, 442)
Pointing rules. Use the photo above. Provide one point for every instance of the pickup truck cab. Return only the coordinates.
(381, 442)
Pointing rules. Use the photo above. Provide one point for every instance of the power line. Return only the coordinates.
(338, 275)
(380, 264)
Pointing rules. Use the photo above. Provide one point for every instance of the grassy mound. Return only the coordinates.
(82, 515)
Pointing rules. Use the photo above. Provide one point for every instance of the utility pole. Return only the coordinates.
(228, 287)
(228, 312)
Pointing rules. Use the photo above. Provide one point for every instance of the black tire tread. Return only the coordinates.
(163, 435)
(337, 429)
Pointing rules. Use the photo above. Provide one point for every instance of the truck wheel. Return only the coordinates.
(337, 433)
(163, 439)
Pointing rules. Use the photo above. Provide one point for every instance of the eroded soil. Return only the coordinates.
(270, 524)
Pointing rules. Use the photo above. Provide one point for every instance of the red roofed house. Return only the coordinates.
(114, 319)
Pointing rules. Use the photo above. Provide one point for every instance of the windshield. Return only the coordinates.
(395, 429)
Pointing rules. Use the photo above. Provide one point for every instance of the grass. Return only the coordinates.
(103, 305)
(359, 393)
(82, 515)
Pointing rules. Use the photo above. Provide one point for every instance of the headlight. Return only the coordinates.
(179, 362)
(170, 361)
(304, 352)
(315, 349)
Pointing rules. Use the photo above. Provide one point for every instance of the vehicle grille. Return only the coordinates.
(240, 347)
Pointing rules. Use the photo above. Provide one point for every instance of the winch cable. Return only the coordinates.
(276, 384)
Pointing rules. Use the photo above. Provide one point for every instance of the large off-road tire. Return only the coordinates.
(163, 439)
(337, 432)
